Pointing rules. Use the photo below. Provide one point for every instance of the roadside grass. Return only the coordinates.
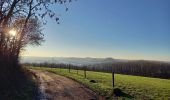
(23, 86)
(27, 92)
(131, 87)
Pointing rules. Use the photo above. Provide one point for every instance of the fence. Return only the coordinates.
(139, 68)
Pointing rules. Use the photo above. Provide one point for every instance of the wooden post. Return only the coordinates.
(85, 72)
(113, 79)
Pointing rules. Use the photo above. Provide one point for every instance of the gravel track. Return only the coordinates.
(56, 87)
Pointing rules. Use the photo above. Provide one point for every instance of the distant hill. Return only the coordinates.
(78, 61)
(70, 60)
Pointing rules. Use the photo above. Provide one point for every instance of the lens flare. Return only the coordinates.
(12, 32)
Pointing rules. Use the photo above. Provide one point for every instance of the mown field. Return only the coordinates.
(129, 87)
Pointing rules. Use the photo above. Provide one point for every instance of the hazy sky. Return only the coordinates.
(128, 29)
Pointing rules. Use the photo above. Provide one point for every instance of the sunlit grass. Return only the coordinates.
(136, 86)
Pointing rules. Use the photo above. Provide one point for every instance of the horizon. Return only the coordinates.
(119, 29)
(96, 58)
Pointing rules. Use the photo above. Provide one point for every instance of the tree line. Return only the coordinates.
(137, 68)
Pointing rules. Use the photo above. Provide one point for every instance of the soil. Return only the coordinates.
(56, 87)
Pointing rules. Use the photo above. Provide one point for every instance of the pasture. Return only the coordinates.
(129, 87)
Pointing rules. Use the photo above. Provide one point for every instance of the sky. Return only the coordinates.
(122, 29)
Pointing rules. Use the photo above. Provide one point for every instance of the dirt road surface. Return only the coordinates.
(56, 87)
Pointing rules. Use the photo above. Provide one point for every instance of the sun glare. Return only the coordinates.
(12, 32)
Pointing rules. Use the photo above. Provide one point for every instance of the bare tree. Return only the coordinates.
(20, 25)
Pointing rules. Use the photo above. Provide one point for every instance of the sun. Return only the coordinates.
(12, 32)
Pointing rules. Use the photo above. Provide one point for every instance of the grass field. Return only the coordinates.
(132, 87)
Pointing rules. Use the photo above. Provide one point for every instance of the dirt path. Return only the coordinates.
(56, 87)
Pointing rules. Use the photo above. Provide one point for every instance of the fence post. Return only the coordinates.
(113, 79)
(85, 72)
(113, 76)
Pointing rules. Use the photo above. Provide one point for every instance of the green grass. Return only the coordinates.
(135, 86)
(28, 91)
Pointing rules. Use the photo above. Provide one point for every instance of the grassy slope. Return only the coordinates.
(136, 86)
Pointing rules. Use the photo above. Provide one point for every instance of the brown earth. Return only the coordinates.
(56, 87)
